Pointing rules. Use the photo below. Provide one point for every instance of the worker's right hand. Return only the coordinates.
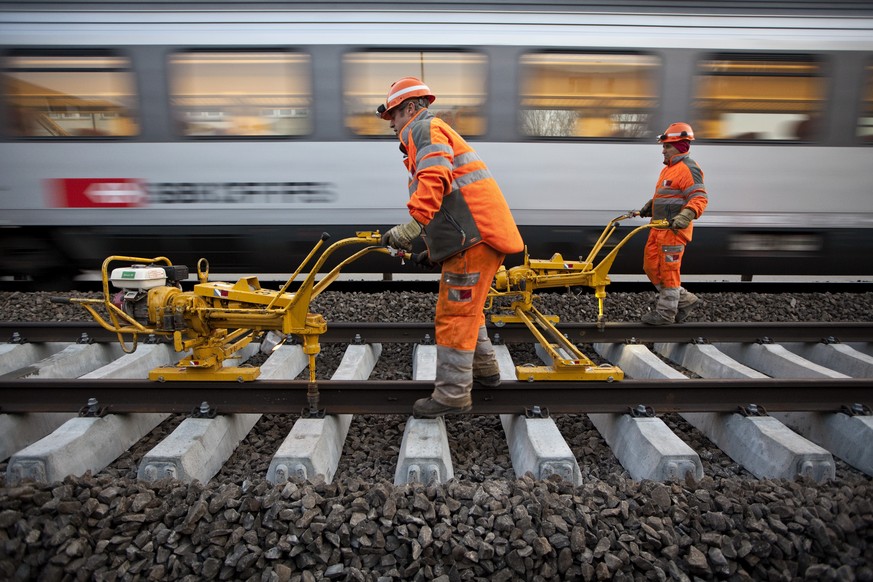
(646, 210)
(402, 235)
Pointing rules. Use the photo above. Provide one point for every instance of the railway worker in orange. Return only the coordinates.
(680, 197)
(460, 212)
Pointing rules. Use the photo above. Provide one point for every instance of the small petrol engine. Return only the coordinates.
(135, 282)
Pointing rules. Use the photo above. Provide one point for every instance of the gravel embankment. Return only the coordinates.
(577, 305)
(486, 524)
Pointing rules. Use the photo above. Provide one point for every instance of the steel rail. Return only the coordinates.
(619, 332)
(396, 397)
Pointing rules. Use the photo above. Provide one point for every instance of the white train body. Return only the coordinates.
(256, 203)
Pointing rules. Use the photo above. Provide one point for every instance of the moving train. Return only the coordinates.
(240, 132)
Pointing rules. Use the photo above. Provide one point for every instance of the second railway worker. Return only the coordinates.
(680, 197)
(460, 212)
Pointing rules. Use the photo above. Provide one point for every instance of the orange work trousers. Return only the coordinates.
(662, 258)
(464, 284)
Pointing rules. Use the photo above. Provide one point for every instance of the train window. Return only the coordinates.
(865, 122)
(458, 79)
(245, 93)
(71, 95)
(757, 97)
(596, 95)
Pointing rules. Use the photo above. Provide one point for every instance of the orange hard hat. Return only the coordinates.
(400, 91)
(677, 132)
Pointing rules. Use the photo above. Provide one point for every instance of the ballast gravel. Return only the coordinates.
(485, 524)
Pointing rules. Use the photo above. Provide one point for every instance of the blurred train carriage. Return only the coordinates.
(241, 131)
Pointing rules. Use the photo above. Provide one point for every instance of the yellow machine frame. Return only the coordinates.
(520, 283)
(217, 319)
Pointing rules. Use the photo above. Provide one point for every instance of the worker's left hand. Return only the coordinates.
(683, 219)
(402, 235)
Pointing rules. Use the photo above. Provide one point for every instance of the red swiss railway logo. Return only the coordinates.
(98, 193)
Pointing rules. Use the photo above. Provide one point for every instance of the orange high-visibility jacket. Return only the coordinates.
(680, 185)
(452, 193)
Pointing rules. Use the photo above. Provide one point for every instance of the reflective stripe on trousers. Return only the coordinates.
(456, 368)
(668, 302)
(484, 359)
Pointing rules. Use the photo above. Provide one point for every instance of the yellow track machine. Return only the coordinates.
(520, 283)
(215, 319)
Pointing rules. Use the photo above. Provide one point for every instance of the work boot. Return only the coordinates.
(656, 318)
(664, 312)
(492, 381)
(685, 310)
(430, 408)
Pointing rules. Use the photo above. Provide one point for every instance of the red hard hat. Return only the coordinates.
(677, 132)
(400, 91)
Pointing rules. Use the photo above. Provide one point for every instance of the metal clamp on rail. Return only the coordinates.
(856, 409)
(641, 411)
(536, 412)
(312, 413)
(752, 410)
(93, 409)
(203, 411)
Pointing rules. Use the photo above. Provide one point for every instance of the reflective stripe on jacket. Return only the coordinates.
(452, 193)
(680, 185)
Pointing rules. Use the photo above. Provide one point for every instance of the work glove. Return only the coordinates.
(422, 261)
(683, 219)
(646, 210)
(402, 235)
